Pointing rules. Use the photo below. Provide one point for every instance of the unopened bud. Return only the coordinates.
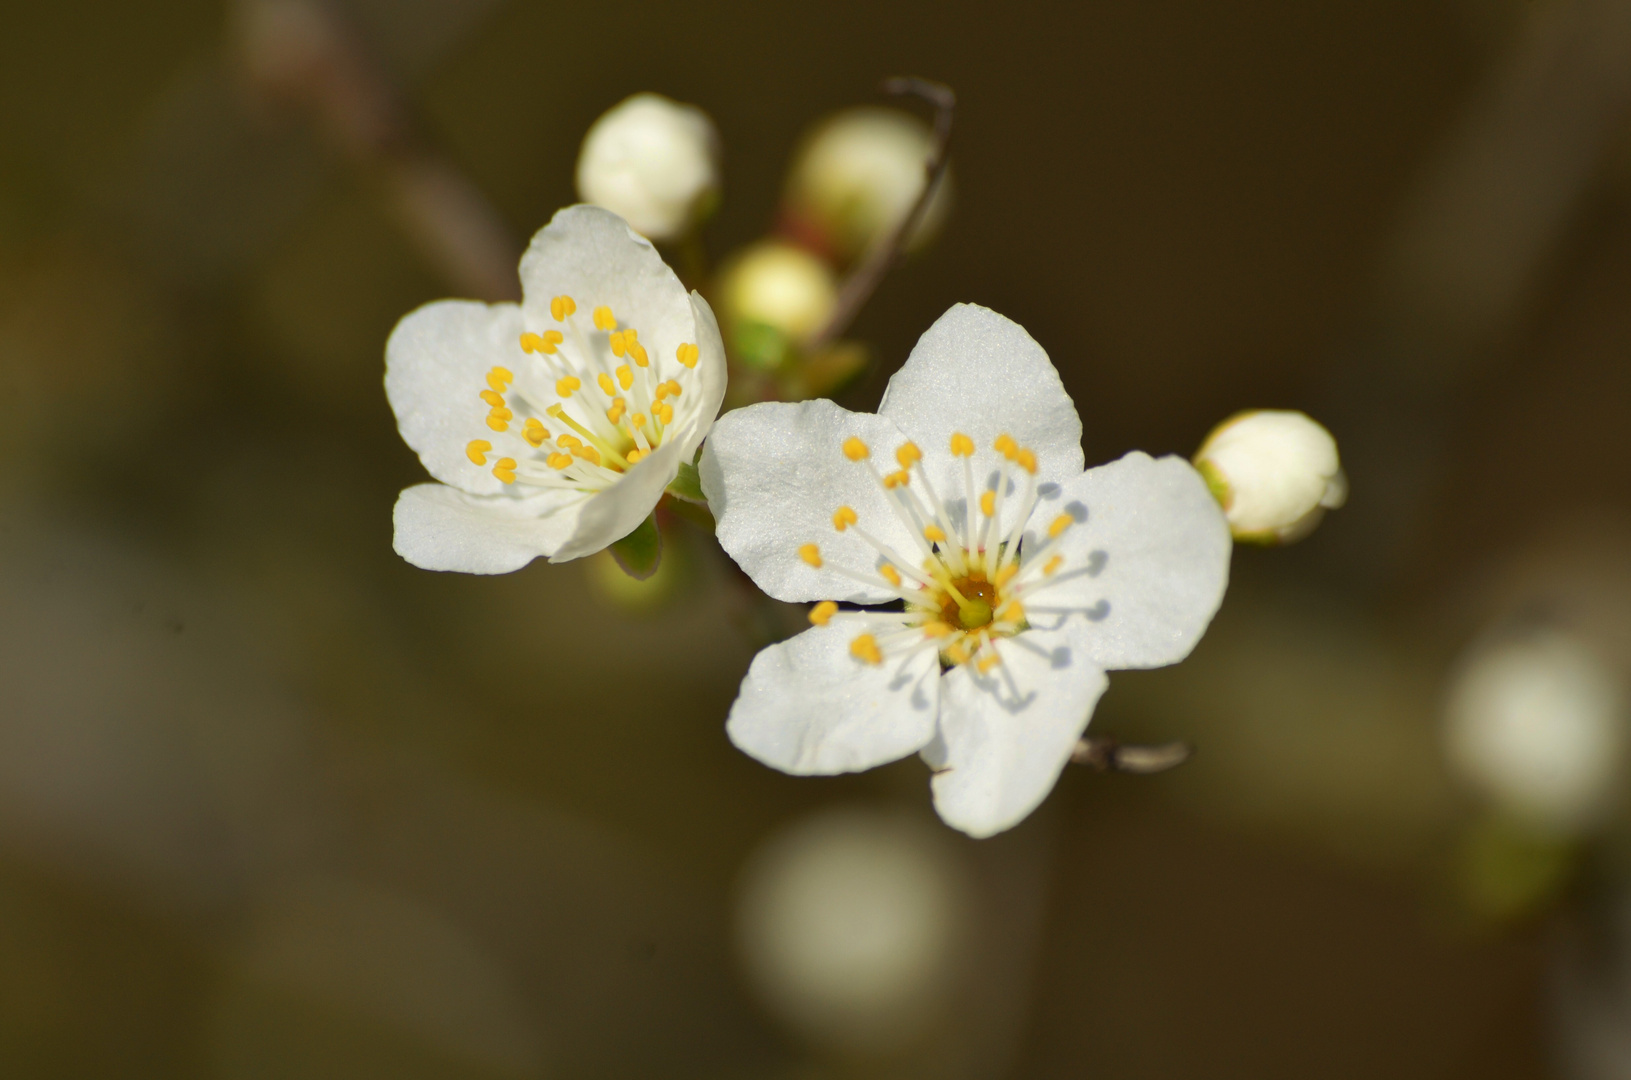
(774, 294)
(1275, 472)
(858, 174)
(653, 162)
(1537, 724)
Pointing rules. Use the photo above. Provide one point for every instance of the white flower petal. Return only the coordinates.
(775, 472)
(810, 708)
(709, 387)
(436, 365)
(1148, 565)
(591, 255)
(981, 374)
(610, 515)
(442, 528)
(998, 753)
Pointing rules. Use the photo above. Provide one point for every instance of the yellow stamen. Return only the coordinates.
(569, 441)
(988, 503)
(934, 534)
(636, 454)
(663, 411)
(558, 461)
(504, 469)
(855, 449)
(671, 388)
(865, 648)
(823, 612)
(989, 661)
(619, 407)
(501, 412)
(604, 319)
(908, 455)
(936, 629)
(567, 385)
(843, 518)
(687, 355)
(606, 385)
(811, 554)
(638, 420)
(587, 453)
(616, 341)
(561, 307)
(477, 451)
(1052, 565)
(1005, 575)
(534, 432)
(552, 338)
(1006, 446)
(625, 377)
(531, 343)
(638, 351)
(493, 398)
(957, 653)
(897, 479)
(1026, 460)
(544, 343)
(500, 378)
(498, 422)
(1059, 525)
(1014, 612)
(890, 574)
(961, 445)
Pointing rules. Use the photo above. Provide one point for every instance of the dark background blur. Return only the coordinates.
(274, 803)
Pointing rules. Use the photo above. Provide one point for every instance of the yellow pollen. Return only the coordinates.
(567, 385)
(990, 661)
(552, 338)
(908, 455)
(961, 445)
(587, 453)
(504, 469)
(497, 422)
(534, 432)
(569, 442)
(855, 449)
(1006, 446)
(687, 355)
(890, 574)
(531, 343)
(823, 612)
(638, 420)
(493, 398)
(635, 455)
(811, 554)
(477, 451)
(897, 479)
(957, 653)
(1026, 460)
(1052, 565)
(608, 387)
(616, 342)
(988, 503)
(625, 377)
(619, 407)
(1059, 525)
(843, 518)
(638, 351)
(558, 461)
(865, 648)
(501, 412)
(561, 307)
(1014, 612)
(603, 318)
(671, 388)
(1005, 575)
(663, 411)
(500, 378)
(936, 629)
(934, 534)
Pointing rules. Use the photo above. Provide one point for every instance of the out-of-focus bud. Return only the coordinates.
(653, 162)
(774, 296)
(851, 926)
(1275, 472)
(857, 175)
(1537, 723)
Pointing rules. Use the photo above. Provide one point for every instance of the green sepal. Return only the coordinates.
(688, 485)
(641, 552)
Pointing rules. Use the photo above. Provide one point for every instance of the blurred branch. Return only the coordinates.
(864, 280)
(1107, 755)
(300, 53)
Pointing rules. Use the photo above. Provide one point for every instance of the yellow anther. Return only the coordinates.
(961, 445)
(934, 535)
(843, 518)
(587, 453)
(671, 388)
(989, 661)
(604, 319)
(908, 455)
(897, 479)
(663, 411)
(558, 461)
(531, 342)
(534, 432)
(687, 355)
(1059, 525)
(1026, 459)
(625, 377)
(501, 413)
(855, 449)
(567, 385)
(500, 378)
(497, 422)
(617, 342)
(504, 469)
(619, 407)
(493, 398)
(552, 338)
(988, 503)
(823, 612)
(556, 411)
(1014, 612)
(1052, 565)
(477, 451)
(569, 442)
(561, 307)
(1005, 575)
(638, 351)
(607, 385)
(635, 455)
(890, 574)
(957, 653)
(1006, 446)
(811, 554)
(936, 629)
(865, 648)
(638, 420)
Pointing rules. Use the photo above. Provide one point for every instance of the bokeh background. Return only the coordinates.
(274, 803)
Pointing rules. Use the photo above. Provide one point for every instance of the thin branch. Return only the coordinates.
(1107, 755)
(864, 280)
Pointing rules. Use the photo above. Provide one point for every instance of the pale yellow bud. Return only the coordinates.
(780, 286)
(1275, 472)
(654, 163)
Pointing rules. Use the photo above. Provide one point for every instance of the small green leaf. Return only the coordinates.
(640, 552)
(688, 485)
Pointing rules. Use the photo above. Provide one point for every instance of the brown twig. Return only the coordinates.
(864, 280)
(1107, 755)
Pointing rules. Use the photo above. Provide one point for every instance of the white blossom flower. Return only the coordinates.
(1275, 471)
(1017, 578)
(653, 161)
(553, 425)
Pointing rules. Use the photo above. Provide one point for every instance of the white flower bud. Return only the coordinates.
(1537, 724)
(1275, 472)
(778, 285)
(858, 174)
(654, 163)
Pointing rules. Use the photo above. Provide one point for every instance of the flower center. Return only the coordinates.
(977, 607)
(611, 405)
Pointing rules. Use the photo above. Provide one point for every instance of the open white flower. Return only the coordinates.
(553, 425)
(1019, 579)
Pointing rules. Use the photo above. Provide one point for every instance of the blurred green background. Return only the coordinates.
(274, 803)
